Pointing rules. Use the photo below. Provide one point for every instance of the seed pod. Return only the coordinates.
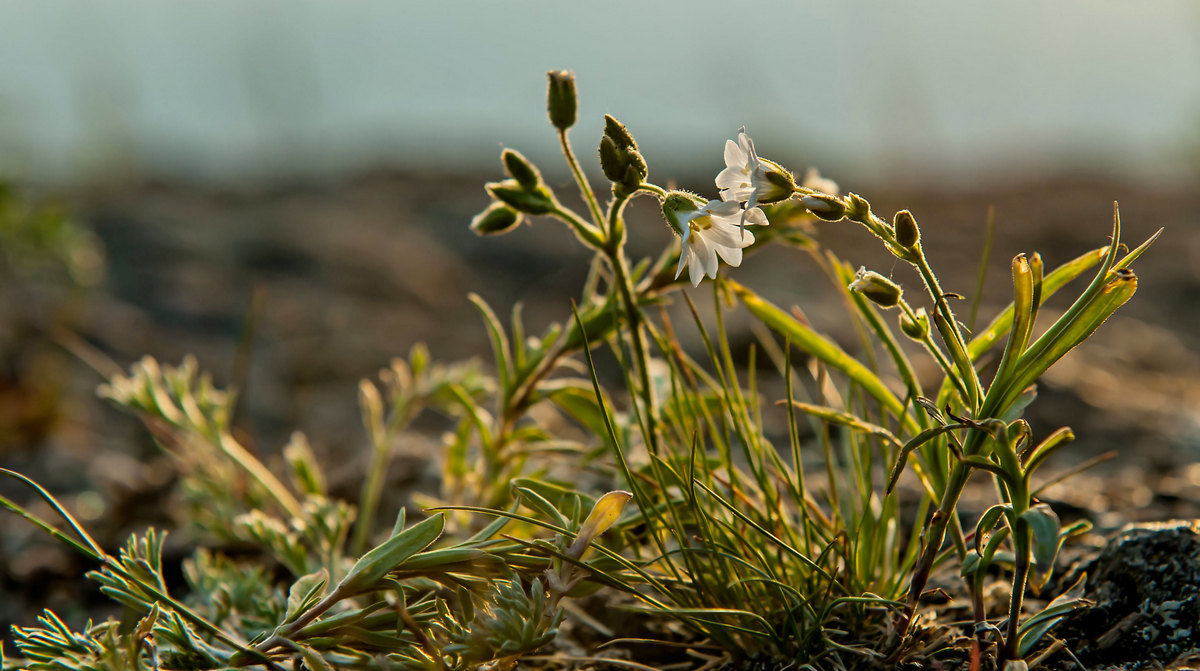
(829, 208)
(520, 169)
(496, 219)
(561, 99)
(917, 326)
(877, 288)
(907, 233)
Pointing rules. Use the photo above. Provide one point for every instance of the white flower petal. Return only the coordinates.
(732, 178)
(731, 255)
(719, 208)
(747, 146)
(735, 156)
(695, 272)
(684, 253)
(756, 217)
(729, 236)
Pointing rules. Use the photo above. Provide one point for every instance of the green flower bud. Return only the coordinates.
(877, 288)
(617, 131)
(829, 208)
(631, 181)
(638, 163)
(561, 100)
(498, 218)
(918, 328)
(612, 162)
(907, 233)
(520, 169)
(783, 185)
(858, 209)
(528, 201)
(676, 203)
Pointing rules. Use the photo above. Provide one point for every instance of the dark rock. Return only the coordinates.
(1146, 586)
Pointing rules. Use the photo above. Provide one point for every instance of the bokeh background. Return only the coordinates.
(283, 189)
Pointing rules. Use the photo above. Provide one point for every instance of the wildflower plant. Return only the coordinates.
(781, 546)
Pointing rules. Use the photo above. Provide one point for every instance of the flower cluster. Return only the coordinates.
(718, 228)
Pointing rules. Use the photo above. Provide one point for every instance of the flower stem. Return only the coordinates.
(615, 252)
(585, 189)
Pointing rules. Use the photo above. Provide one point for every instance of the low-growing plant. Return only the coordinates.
(784, 546)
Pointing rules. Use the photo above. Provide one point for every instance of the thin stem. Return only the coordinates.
(936, 352)
(372, 489)
(585, 189)
(951, 334)
(633, 313)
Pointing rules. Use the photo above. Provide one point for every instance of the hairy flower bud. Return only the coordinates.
(858, 209)
(675, 204)
(907, 233)
(561, 99)
(520, 169)
(620, 160)
(829, 208)
(529, 201)
(877, 288)
(779, 183)
(611, 161)
(916, 326)
(498, 218)
(617, 131)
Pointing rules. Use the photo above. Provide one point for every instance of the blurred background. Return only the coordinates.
(226, 91)
(283, 189)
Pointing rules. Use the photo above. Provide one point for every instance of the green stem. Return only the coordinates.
(949, 330)
(585, 189)
(633, 314)
(372, 491)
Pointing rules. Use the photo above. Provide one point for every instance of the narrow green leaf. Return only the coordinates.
(391, 553)
(988, 521)
(824, 350)
(500, 345)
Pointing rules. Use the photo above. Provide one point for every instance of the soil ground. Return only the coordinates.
(341, 278)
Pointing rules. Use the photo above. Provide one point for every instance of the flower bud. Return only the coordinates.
(520, 169)
(675, 204)
(561, 99)
(917, 326)
(631, 181)
(877, 288)
(858, 209)
(617, 131)
(907, 233)
(529, 201)
(496, 219)
(611, 162)
(782, 184)
(619, 158)
(829, 208)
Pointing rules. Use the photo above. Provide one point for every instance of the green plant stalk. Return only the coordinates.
(614, 249)
(948, 325)
(1110, 297)
(372, 489)
(585, 189)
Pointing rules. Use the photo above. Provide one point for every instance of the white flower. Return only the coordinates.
(750, 179)
(713, 230)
